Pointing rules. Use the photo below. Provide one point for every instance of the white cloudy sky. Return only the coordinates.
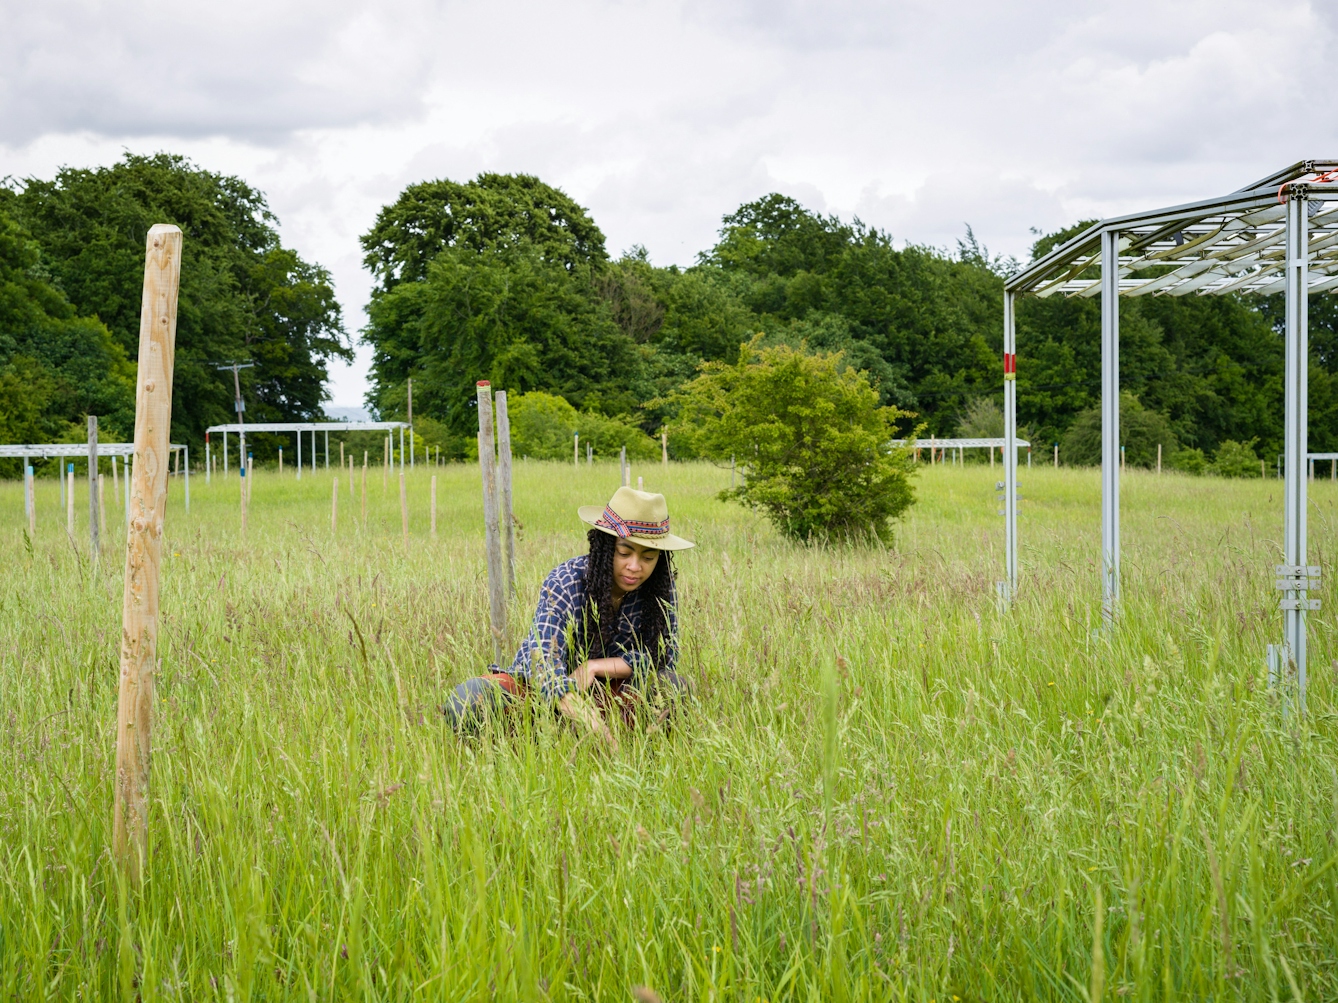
(918, 116)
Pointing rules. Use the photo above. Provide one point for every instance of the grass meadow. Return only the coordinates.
(888, 789)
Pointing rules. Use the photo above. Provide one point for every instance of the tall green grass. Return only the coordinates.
(888, 788)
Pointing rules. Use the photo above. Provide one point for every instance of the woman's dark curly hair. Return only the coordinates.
(595, 632)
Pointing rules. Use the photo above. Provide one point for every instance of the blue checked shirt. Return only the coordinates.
(543, 656)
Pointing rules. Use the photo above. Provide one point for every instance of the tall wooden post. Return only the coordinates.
(504, 483)
(143, 552)
(664, 449)
(492, 535)
(93, 492)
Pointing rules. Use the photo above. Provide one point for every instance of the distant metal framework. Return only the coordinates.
(75, 450)
(298, 429)
(1277, 235)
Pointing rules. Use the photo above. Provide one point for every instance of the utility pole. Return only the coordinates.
(238, 404)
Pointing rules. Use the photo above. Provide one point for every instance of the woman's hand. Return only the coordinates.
(576, 707)
(600, 668)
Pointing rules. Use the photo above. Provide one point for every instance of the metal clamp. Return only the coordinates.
(1297, 578)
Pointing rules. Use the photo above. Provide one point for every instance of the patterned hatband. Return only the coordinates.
(631, 527)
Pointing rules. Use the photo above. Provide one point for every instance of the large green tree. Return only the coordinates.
(243, 294)
(55, 366)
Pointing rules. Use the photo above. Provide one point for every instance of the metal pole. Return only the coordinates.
(207, 460)
(1010, 446)
(1294, 431)
(1110, 423)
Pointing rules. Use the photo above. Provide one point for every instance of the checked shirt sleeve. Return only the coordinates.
(542, 658)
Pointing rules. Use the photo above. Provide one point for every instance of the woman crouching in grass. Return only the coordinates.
(605, 635)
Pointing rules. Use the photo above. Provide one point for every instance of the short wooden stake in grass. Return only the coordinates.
(280, 460)
(404, 513)
(341, 456)
(664, 449)
(94, 495)
(504, 486)
(30, 489)
(1056, 456)
(1159, 457)
(576, 449)
(143, 552)
(492, 535)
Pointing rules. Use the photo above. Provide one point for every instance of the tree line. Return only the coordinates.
(71, 278)
(507, 278)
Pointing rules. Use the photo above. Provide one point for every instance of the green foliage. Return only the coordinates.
(1236, 459)
(812, 439)
(243, 295)
(982, 419)
(1141, 431)
(494, 212)
(55, 367)
(1188, 460)
(543, 426)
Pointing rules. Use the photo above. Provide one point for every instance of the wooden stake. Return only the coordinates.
(504, 485)
(334, 506)
(281, 461)
(664, 449)
(30, 486)
(404, 514)
(139, 607)
(341, 456)
(433, 506)
(576, 450)
(94, 540)
(1159, 457)
(492, 534)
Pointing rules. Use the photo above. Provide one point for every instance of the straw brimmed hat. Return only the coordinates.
(638, 516)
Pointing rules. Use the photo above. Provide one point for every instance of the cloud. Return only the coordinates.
(249, 70)
(663, 115)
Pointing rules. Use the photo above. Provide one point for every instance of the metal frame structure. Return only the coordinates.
(1279, 234)
(297, 428)
(73, 450)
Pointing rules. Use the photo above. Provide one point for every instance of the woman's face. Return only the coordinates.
(632, 565)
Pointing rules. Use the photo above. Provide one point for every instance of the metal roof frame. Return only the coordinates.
(1276, 235)
(298, 428)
